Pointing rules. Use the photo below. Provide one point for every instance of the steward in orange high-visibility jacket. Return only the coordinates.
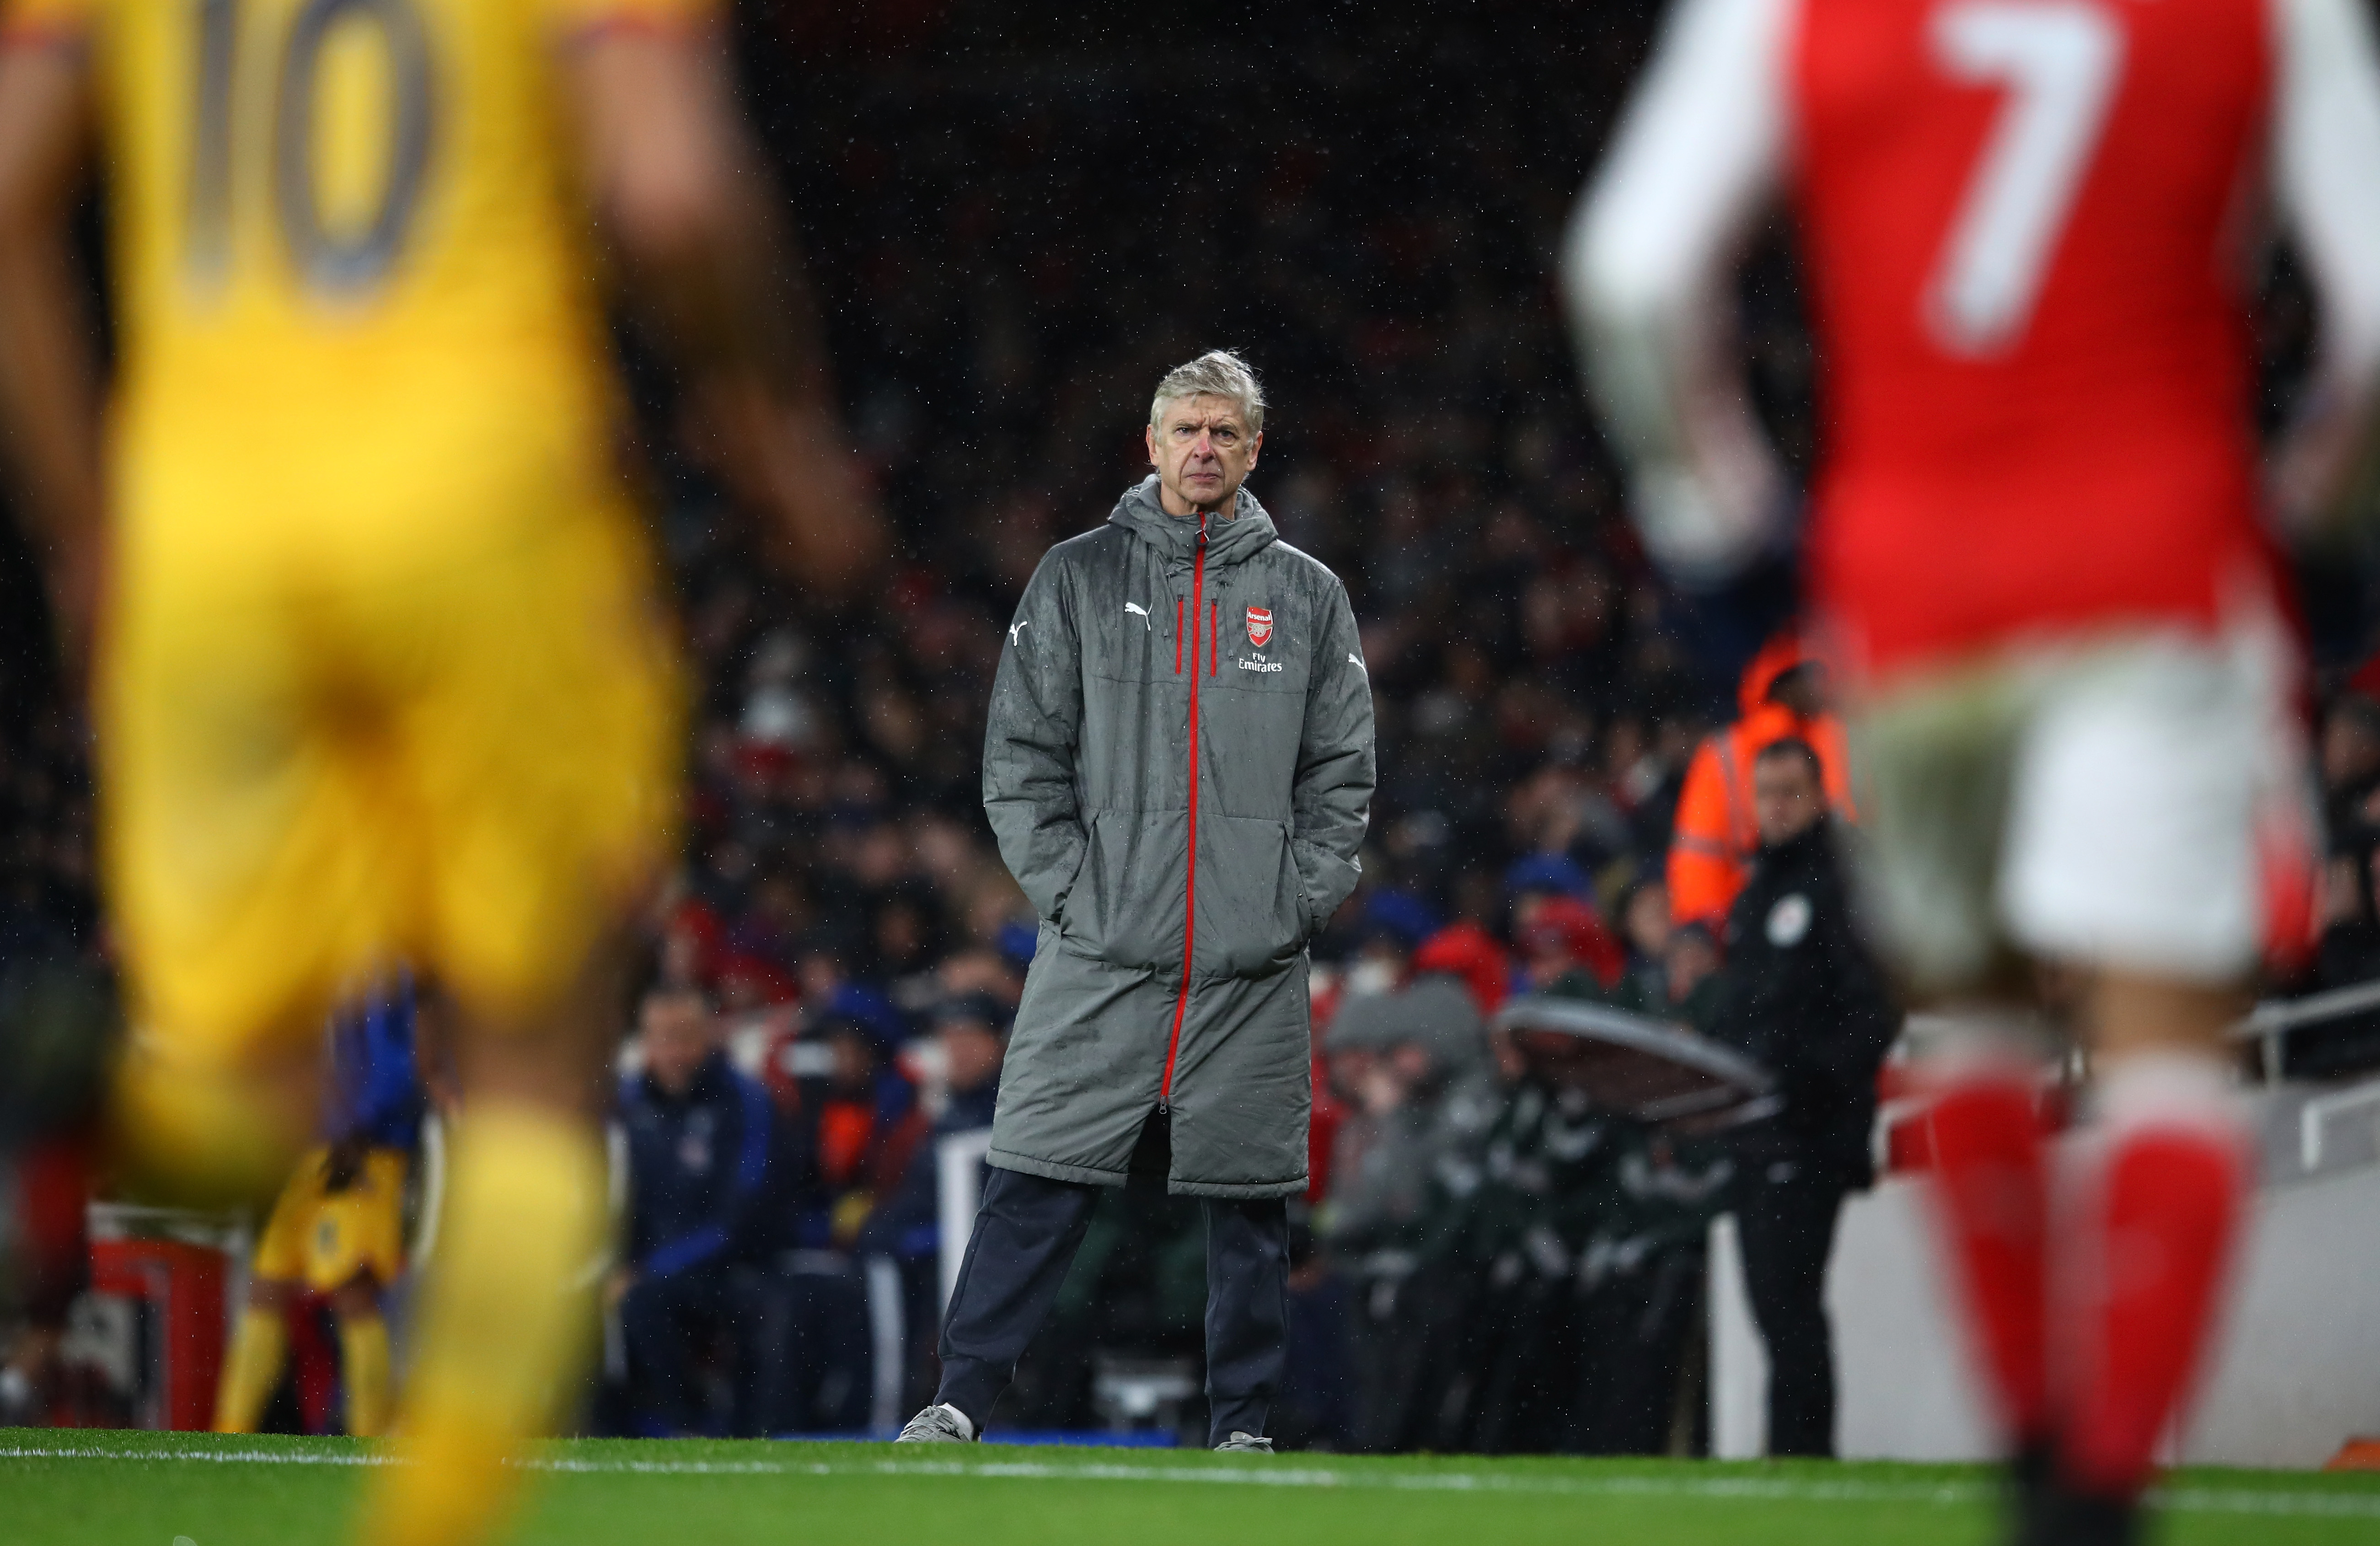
(1782, 693)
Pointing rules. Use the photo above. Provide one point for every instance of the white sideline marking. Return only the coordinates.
(2182, 1500)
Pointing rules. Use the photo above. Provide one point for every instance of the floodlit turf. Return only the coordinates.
(69, 1489)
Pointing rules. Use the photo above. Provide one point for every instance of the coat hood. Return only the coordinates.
(1777, 657)
(1435, 1013)
(1247, 533)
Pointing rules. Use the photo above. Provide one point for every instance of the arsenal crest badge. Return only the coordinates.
(1259, 625)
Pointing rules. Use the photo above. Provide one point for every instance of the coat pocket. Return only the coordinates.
(1252, 912)
(1128, 900)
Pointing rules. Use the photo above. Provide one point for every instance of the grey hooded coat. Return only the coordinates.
(1178, 766)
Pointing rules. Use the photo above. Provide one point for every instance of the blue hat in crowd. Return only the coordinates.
(1555, 872)
(869, 1010)
(1401, 916)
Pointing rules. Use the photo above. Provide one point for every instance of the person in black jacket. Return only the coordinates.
(1803, 994)
(700, 1140)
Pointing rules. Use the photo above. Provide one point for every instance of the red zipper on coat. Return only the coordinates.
(1190, 887)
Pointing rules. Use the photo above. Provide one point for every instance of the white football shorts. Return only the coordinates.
(2110, 801)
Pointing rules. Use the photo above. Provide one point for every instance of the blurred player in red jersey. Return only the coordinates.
(2039, 540)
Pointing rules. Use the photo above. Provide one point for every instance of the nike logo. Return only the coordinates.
(1135, 606)
(1356, 663)
(1013, 627)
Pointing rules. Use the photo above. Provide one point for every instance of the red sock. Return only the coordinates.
(2156, 1248)
(1991, 1196)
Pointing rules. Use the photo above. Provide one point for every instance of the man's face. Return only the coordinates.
(970, 1054)
(1391, 1077)
(1202, 451)
(854, 1060)
(1691, 959)
(2350, 744)
(677, 1033)
(1545, 948)
(1648, 919)
(1785, 798)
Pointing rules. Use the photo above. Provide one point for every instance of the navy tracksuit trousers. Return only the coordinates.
(1025, 1236)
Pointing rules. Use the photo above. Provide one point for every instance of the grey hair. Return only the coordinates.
(1216, 373)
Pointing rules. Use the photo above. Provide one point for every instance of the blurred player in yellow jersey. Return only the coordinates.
(377, 671)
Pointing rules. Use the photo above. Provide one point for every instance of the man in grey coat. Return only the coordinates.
(1178, 767)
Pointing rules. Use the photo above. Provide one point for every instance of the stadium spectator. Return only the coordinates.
(857, 1121)
(1375, 946)
(1691, 980)
(1562, 934)
(1413, 1067)
(1782, 694)
(2348, 748)
(1641, 904)
(970, 1038)
(1802, 996)
(1469, 951)
(47, 1202)
(701, 1191)
(2348, 949)
(972, 1031)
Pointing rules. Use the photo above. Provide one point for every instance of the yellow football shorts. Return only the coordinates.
(322, 1239)
(464, 760)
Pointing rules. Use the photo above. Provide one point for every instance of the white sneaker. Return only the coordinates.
(1252, 1444)
(941, 1424)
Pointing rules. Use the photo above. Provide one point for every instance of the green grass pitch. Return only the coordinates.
(86, 1489)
